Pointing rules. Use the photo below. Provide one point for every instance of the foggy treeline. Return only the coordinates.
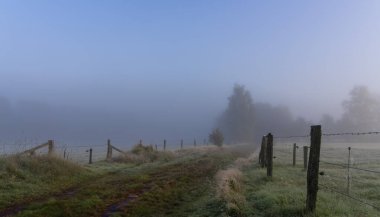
(245, 120)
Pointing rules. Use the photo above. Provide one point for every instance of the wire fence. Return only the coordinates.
(351, 170)
(80, 153)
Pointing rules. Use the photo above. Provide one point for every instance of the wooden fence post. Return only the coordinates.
(164, 144)
(90, 157)
(269, 155)
(51, 147)
(305, 152)
(313, 168)
(140, 142)
(181, 143)
(294, 153)
(348, 171)
(262, 155)
(109, 149)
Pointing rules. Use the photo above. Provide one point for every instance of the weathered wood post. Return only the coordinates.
(164, 144)
(313, 168)
(90, 157)
(109, 149)
(305, 152)
(263, 150)
(348, 171)
(140, 142)
(269, 155)
(294, 153)
(51, 147)
(181, 143)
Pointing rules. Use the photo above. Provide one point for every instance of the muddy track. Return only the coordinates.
(120, 205)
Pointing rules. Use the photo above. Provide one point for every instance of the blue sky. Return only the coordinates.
(137, 55)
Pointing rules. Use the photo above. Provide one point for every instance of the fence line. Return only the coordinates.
(352, 161)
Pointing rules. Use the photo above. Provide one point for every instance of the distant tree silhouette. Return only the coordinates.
(237, 121)
(361, 111)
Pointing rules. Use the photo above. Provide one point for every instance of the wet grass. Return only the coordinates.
(179, 186)
(285, 193)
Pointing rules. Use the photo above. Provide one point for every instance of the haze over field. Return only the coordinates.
(85, 71)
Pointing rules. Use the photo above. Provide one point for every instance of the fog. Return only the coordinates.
(83, 72)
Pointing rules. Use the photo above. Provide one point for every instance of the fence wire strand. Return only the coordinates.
(351, 197)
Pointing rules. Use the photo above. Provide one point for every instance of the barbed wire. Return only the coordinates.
(351, 167)
(351, 197)
(352, 133)
(331, 134)
(289, 137)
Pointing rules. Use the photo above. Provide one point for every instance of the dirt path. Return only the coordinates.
(155, 191)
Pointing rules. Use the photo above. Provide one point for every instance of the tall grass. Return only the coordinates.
(23, 177)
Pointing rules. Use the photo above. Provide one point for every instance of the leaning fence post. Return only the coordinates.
(305, 152)
(294, 153)
(51, 147)
(109, 149)
(262, 158)
(269, 155)
(348, 170)
(164, 144)
(313, 168)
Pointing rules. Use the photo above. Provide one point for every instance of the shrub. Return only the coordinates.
(216, 137)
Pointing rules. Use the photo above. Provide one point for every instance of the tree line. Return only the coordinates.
(246, 121)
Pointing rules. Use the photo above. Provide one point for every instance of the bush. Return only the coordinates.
(216, 137)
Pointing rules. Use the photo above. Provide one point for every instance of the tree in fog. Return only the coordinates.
(328, 123)
(278, 120)
(237, 121)
(361, 111)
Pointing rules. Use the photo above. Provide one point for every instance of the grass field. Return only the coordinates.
(164, 184)
(285, 193)
(193, 182)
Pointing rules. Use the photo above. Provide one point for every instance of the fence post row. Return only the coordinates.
(313, 168)
(305, 152)
(294, 153)
(269, 155)
(262, 155)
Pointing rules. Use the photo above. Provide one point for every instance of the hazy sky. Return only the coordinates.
(176, 58)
